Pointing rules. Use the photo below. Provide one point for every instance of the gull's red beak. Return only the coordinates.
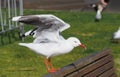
(83, 46)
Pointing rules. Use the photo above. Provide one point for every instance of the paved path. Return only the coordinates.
(64, 4)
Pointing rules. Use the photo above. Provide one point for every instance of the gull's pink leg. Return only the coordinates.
(49, 65)
(46, 64)
(52, 68)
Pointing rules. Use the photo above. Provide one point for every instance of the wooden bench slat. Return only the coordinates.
(107, 73)
(114, 75)
(94, 65)
(100, 70)
(91, 58)
(85, 61)
(75, 74)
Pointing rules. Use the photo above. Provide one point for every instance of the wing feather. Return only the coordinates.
(45, 21)
(48, 27)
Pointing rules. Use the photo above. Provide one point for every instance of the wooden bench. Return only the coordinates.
(99, 64)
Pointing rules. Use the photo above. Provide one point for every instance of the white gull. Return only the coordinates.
(53, 49)
(48, 41)
(116, 35)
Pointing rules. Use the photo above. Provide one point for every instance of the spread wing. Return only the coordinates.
(46, 21)
(48, 26)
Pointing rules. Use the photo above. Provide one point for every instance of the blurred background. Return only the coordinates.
(114, 5)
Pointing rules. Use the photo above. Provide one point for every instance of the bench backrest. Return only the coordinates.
(99, 64)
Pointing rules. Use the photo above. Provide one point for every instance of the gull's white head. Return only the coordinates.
(76, 42)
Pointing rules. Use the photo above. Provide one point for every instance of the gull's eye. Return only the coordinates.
(75, 41)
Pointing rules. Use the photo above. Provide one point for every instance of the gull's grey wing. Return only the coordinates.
(31, 20)
(47, 21)
(48, 27)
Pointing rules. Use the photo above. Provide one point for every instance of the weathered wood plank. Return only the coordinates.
(82, 62)
(100, 70)
(108, 73)
(114, 75)
(74, 74)
(94, 66)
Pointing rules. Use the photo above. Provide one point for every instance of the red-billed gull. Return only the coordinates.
(48, 41)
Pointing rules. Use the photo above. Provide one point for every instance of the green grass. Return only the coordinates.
(22, 62)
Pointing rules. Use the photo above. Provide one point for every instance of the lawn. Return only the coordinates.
(17, 61)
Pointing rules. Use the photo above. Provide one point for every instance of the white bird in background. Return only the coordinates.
(116, 35)
(98, 15)
(48, 41)
(98, 8)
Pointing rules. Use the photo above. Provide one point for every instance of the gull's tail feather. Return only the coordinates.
(16, 18)
(28, 32)
(22, 44)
